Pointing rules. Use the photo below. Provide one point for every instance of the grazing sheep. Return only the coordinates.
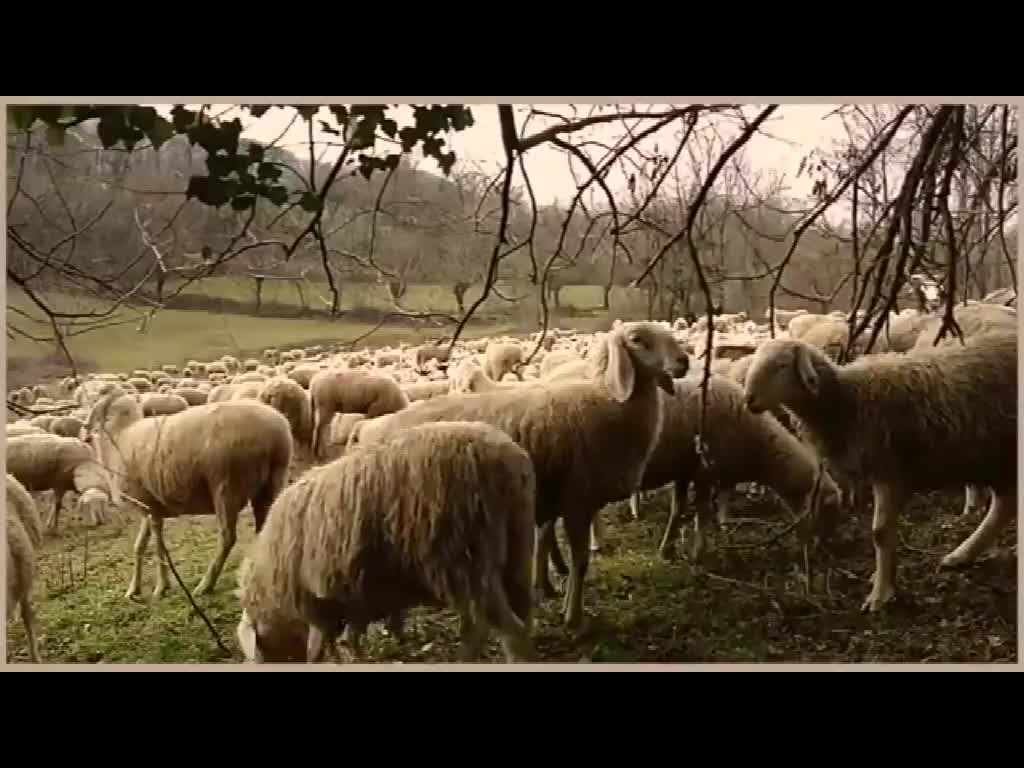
(342, 427)
(19, 428)
(249, 390)
(343, 391)
(209, 459)
(430, 352)
(191, 395)
(162, 405)
(303, 374)
(43, 422)
(221, 392)
(251, 364)
(973, 319)
(67, 426)
(248, 377)
(589, 439)
(140, 384)
(50, 462)
(440, 515)
(742, 447)
(424, 390)
(24, 537)
(927, 420)
(500, 359)
(291, 401)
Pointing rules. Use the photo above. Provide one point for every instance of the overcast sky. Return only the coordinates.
(794, 129)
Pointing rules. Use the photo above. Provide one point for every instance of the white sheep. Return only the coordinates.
(927, 420)
(500, 359)
(343, 391)
(24, 537)
(209, 459)
(50, 462)
(589, 439)
(441, 515)
(292, 401)
(741, 447)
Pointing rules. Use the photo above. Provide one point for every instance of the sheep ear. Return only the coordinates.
(619, 375)
(805, 370)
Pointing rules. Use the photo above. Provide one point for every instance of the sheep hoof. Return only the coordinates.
(955, 559)
(877, 600)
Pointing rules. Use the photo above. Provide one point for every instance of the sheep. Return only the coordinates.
(139, 384)
(60, 464)
(43, 422)
(303, 374)
(19, 428)
(66, 426)
(170, 369)
(342, 427)
(343, 391)
(500, 359)
(221, 392)
(249, 390)
(209, 459)
(589, 439)
(905, 423)
(353, 542)
(248, 377)
(973, 319)
(430, 352)
(191, 395)
(251, 364)
(741, 447)
(424, 390)
(162, 405)
(24, 537)
(292, 401)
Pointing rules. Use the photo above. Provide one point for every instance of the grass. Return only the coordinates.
(742, 605)
(178, 335)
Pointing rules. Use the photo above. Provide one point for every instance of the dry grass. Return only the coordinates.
(743, 605)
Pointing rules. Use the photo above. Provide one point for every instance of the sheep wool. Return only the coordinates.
(343, 391)
(589, 439)
(354, 541)
(24, 536)
(742, 447)
(210, 459)
(931, 419)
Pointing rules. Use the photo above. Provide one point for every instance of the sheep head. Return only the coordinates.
(781, 371)
(639, 346)
(94, 504)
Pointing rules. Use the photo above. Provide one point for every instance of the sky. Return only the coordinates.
(794, 130)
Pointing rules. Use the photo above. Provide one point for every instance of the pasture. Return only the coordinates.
(748, 601)
(745, 603)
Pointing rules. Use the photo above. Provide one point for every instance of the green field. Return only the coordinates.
(742, 605)
(176, 335)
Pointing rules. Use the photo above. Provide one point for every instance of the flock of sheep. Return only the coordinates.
(437, 480)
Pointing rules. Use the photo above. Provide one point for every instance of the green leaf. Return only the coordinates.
(182, 118)
(409, 138)
(111, 127)
(219, 165)
(326, 128)
(268, 172)
(214, 192)
(160, 132)
(243, 203)
(307, 111)
(23, 117)
(259, 110)
(391, 161)
(390, 127)
(143, 117)
(340, 113)
(55, 135)
(256, 152)
(309, 202)
(277, 195)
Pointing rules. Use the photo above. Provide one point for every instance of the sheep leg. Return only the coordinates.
(888, 502)
(545, 545)
(702, 517)
(28, 618)
(634, 504)
(677, 509)
(227, 514)
(472, 635)
(555, 558)
(396, 625)
(141, 542)
(578, 533)
(984, 535)
(513, 631)
(973, 499)
(597, 534)
(314, 645)
(156, 525)
(58, 501)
